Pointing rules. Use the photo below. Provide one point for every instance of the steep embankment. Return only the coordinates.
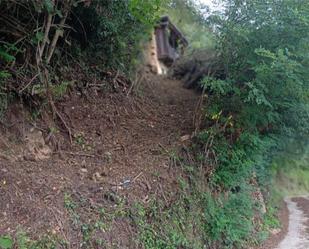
(119, 155)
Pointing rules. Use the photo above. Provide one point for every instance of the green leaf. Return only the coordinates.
(6, 242)
(58, 12)
(39, 36)
(49, 6)
(6, 57)
(4, 75)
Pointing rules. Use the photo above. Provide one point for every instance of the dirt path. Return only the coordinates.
(294, 217)
(298, 232)
(120, 155)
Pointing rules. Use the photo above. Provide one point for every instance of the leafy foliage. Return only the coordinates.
(114, 30)
(266, 85)
(63, 36)
(24, 242)
(197, 219)
(228, 221)
(6, 242)
(5, 59)
(258, 107)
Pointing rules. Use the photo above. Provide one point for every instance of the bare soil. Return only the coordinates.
(120, 154)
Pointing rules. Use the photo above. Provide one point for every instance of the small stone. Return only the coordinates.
(83, 170)
(35, 147)
(275, 231)
(185, 138)
(97, 176)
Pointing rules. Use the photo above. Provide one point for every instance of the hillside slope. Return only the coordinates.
(120, 155)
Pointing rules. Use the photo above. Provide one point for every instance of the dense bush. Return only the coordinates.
(259, 107)
(63, 36)
(111, 31)
(266, 88)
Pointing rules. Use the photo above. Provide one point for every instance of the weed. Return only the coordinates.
(69, 204)
(24, 242)
(89, 222)
(61, 89)
(53, 130)
(6, 242)
(80, 139)
(35, 113)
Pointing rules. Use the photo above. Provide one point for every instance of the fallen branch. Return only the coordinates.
(80, 154)
(28, 84)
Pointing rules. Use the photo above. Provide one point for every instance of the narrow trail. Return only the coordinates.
(298, 231)
(294, 234)
(120, 151)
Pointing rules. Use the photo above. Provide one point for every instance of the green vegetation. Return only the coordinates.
(255, 124)
(46, 49)
(114, 31)
(263, 100)
(24, 242)
(203, 216)
(252, 116)
(196, 218)
(261, 105)
(291, 173)
(5, 57)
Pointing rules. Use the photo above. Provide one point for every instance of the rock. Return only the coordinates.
(275, 231)
(98, 177)
(83, 170)
(83, 163)
(185, 138)
(36, 148)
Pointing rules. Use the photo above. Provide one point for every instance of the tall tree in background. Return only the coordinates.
(264, 46)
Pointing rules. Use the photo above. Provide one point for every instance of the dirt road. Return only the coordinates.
(294, 234)
(298, 231)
